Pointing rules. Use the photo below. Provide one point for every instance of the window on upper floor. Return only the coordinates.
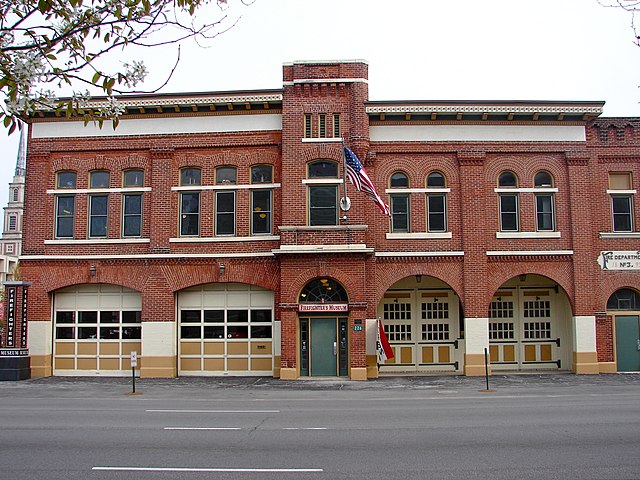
(323, 192)
(508, 202)
(190, 203)
(436, 203)
(399, 203)
(133, 178)
(322, 125)
(13, 223)
(261, 200)
(132, 204)
(622, 193)
(98, 204)
(225, 208)
(15, 195)
(545, 218)
(65, 205)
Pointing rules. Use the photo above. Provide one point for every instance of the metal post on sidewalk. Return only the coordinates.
(486, 370)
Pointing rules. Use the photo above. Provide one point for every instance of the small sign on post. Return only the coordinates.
(134, 364)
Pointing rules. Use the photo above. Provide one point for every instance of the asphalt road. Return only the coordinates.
(529, 427)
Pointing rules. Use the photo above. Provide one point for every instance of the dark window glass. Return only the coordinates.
(65, 333)
(190, 316)
(110, 317)
(109, 333)
(190, 332)
(399, 180)
(98, 216)
(65, 317)
(132, 215)
(213, 316)
(323, 205)
(133, 178)
(235, 316)
(509, 213)
(132, 316)
(225, 213)
(544, 212)
(240, 331)
(323, 169)
(87, 333)
(131, 333)
(87, 317)
(99, 179)
(64, 216)
(190, 176)
(225, 175)
(189, 213)
(67, 180)
(543, 179)
(437, 214)
(261, 331)
(261, 315)
(435, 180)
(399, 213)
(262, 174)
(624, 299)
(507, 179)
(621, 213)
(323, 290)
(261, 212)
(216, 331)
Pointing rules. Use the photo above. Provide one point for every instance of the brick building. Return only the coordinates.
(206, 233)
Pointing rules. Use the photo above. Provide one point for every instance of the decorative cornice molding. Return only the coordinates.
(471, 157)
(618, 158)
(577, 157)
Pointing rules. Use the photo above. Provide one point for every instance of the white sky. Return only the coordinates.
(418, 50)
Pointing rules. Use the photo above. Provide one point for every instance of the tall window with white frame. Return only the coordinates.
(323, 192)
(190, 202)
(509, 221)
(545, 218)
(621, 192)
(399, 203)
(98, 204)
(225, 202)
(436, 203)
(261, 199)
(132, 204)
(65, 205)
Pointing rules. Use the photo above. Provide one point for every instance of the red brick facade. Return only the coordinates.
(359, 252)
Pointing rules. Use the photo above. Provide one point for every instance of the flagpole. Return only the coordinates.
(345, 204)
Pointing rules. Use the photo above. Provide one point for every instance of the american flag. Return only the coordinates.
(359, 178)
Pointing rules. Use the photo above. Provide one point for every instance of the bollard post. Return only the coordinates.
(486, 367)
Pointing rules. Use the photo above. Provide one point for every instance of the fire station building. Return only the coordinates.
(209, 232)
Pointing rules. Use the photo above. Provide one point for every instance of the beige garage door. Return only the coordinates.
(225, 329)
(95, 329)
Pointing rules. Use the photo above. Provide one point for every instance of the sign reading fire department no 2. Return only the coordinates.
(619, 260)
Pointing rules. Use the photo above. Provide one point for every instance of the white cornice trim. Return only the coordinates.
(419, 254)
(325, 80)
(323, 140)
(147, 256)
(529, 252)
(298, 249)
(419, 236)
(619, 234)
(97, 241)
(69, 191)
(417, 190)
(481, 109)
(528, 235)
(622, 192)
(264, 238)
(254, 186)
(527, 190)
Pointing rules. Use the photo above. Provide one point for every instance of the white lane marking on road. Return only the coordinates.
(213, 411)
(241, 470)
(202, 428)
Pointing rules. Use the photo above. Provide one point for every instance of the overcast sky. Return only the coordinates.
(418, 50)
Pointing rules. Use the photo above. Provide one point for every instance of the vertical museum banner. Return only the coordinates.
(23, 319)
(11, 317)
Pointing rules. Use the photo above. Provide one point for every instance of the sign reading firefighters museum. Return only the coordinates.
(323, 307)
(11, 317)
(622, 260)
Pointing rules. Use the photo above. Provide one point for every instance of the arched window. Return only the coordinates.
(225, 208)
(399, 203)
(545, 221)
(436, 203)
(508, 203)
(65, 205)
(226, 175)
(99, 179)
(190, 203)
(323, 290)
(189, 176)
(16, 195)
(624, 299)
(323, 197)
(98, 204)
(261, 200)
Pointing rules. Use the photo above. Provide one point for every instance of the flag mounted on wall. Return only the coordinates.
(359, 178)
(383, 349)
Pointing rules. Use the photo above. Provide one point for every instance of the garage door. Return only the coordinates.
(225, 329)
(96, 327)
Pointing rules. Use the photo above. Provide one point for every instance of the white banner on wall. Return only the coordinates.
(619, 260)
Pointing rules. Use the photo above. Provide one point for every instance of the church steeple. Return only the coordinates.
(21, 162)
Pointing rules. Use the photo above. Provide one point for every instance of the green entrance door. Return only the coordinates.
(324, 347)
(628, 343)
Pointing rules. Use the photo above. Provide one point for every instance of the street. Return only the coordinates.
(433, 428)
